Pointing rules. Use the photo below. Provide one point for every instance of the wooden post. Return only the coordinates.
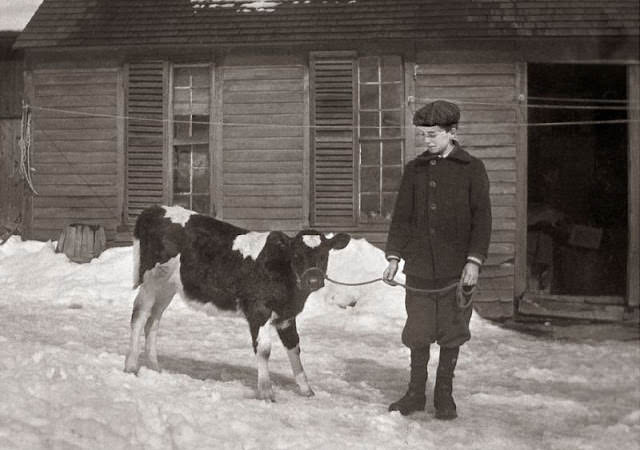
(633, 258)
(520, 281)
(217, 139)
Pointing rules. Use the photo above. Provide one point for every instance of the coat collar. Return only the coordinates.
(457, 154)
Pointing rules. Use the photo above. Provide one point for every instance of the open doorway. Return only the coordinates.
(577, 229)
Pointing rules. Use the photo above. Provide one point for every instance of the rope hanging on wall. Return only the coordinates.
(25, 147)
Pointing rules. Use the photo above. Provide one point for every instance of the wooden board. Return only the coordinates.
(263, 113)
(75, 145)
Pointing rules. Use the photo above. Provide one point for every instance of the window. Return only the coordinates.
(190, 144)
(381, 135)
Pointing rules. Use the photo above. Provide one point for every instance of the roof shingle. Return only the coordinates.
(96, 23)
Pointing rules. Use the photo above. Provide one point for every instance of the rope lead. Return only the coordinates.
(464, 294)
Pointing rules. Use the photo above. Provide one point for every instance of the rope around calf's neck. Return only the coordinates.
(463, 296)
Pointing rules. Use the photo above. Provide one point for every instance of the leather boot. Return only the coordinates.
(442, 396)
(414, 399)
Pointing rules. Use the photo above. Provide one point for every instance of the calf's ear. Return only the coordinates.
(339, 241)
(277, 246)
(279, 239)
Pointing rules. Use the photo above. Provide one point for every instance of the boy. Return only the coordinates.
(441, 227)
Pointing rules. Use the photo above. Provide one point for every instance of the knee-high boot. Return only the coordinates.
(414, 399)
(443, 393)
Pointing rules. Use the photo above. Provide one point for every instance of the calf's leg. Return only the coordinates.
(158, 287)
(153, 324)
(142, 307)
(261, 337)
(288, 334)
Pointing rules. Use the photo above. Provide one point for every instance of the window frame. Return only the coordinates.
(172, 142)
(380, 140)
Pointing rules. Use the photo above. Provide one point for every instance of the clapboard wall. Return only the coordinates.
(265, 146)
(489, 129)
(76, 157)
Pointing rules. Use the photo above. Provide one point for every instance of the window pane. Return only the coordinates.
(388, 201)
(182, 96)
(369, 124)
(391, 178)
(391, 96)
(200, 76)
(368, 69)
(200, 96)
(370, 205)
(181, 127)
(369, 96)
(370, 179)
(392, 153)
(200, 203)
(370, 153)
(201, 128)
(182, 200)
(200, 180)
(391, 68)
(181, 76)
(391, 121)
(201, 156)
(181, 169)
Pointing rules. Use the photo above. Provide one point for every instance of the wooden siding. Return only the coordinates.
(75, 150)
(487, 95)
(11, 184)
(263, 146)
(11, 88)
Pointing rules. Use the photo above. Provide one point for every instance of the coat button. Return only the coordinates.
(432, 230)
(433, 206)
(433, 162)
(432, 183)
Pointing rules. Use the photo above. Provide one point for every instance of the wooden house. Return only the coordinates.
(297, 113)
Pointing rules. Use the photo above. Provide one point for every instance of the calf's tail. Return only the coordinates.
(136, 263)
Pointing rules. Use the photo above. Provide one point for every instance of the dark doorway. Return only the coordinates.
(577, 179)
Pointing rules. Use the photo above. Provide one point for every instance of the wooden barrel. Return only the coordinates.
(81, 242)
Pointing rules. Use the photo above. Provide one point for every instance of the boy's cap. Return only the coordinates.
(439, 112)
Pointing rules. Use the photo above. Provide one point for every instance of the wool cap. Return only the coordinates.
(439, 112)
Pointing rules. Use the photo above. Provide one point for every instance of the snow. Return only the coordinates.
(64, 330)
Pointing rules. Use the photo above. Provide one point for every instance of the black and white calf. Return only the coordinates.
(266, 276)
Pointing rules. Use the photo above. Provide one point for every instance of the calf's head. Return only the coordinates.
(306, 255)
(310, 256)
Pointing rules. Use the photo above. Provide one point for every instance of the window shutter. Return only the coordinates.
(333, 138)
(145, 137)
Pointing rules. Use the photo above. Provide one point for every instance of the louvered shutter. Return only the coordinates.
(145, 137)
(333, 137)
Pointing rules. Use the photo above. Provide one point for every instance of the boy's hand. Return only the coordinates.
(390, 271)
(470, 274)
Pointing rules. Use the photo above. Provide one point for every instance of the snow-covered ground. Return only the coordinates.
(64, 329)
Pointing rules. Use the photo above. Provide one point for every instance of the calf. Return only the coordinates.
(266, 277)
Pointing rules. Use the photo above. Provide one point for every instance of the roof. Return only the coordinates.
(97, 23)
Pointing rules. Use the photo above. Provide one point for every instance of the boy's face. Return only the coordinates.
(437, 138)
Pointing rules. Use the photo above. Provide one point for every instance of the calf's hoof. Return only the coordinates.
(265, 392)
(131, 369)
(153, 365)
(266, 396)
(306, 392)
(131, 366)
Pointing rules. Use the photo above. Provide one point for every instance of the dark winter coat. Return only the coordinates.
(442, 215)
